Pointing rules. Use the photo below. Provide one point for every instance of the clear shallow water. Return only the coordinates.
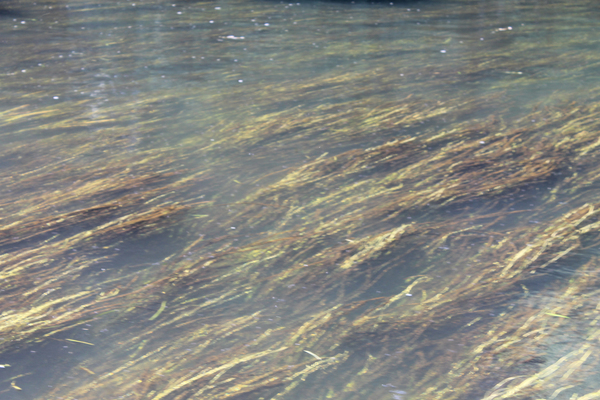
(132, 80)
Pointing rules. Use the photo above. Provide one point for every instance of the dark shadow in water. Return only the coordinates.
(8, 10)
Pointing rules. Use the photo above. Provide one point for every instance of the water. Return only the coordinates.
(210, 156)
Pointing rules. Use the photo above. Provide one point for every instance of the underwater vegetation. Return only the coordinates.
(347, 234)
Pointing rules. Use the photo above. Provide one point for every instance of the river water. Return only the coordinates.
(221, 103)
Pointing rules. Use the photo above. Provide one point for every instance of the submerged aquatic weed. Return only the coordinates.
(420, 257)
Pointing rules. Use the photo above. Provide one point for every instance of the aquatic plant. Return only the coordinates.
(413, 243)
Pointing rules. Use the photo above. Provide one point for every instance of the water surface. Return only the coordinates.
(324, 199)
